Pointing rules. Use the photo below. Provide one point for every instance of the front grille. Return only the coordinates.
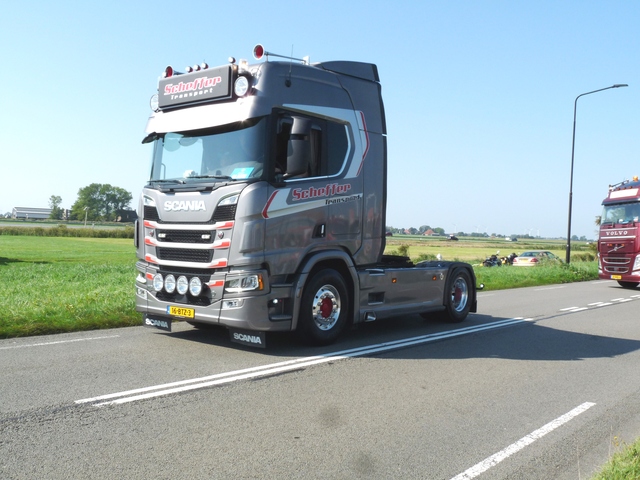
(151, 213)
(224, 213)
(616, 265)
(185, 236)
(616, 260)
(184, 255)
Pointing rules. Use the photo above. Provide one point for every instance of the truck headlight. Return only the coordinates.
(247, 283)
(170, 283)
(157, 282)
(183, 285)
(195, 286)
(636, 264)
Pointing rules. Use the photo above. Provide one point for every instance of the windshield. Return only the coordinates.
(233, 151)
(621, 213)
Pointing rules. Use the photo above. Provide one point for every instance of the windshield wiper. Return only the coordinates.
(168, 180)
(220, 177)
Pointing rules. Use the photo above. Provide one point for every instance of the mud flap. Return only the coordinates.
(249, 338)
(162, 324)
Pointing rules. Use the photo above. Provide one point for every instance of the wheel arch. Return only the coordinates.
(330, 259)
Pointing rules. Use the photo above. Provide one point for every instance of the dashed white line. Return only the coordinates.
(496, 458)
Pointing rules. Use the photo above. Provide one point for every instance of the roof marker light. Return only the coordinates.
(258, 52)
(168, 72)
(189, 69)
(204, 65)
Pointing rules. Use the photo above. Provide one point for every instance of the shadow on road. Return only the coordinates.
(521, 341)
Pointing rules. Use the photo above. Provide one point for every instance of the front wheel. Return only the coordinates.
(628, 284)
(458, 295)
(324, 308)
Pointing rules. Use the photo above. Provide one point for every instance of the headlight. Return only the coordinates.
(157, 282)
(636, 265)
(183, 285)
(195, 286)
(230, 200)
(245, 284)
(170, 283)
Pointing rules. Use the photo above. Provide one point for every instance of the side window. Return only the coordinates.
(309, 147)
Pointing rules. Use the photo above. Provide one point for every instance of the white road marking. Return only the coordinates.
(286, 366)
(45, 344)
(599, 304)
(496, 458)
(548, 288)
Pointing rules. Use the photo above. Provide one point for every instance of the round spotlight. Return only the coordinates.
(183, 285)
(170, 283)
(153, 103)
(157, 282)
(241, 86)
(195, 286)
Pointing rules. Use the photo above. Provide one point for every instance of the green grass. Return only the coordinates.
(623, 465)
(54, 285)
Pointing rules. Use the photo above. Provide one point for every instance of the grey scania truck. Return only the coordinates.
(265, 206)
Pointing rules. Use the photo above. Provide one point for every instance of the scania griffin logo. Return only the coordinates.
(183, 205)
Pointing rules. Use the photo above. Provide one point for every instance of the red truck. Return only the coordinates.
(619, 240)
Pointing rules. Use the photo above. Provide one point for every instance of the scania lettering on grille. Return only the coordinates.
(184, 205)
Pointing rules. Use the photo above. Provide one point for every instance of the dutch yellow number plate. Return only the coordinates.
(616, 277)
(181, 311)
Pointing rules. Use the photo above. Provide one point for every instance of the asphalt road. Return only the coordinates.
(542, 383)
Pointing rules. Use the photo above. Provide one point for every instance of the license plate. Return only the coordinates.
(181, 312)
(616, 277)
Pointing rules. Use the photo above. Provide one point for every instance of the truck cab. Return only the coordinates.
(619, 242)
(265, 206)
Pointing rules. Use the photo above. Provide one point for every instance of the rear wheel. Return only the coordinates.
(628, 284)
(324, 307)
(458, 295)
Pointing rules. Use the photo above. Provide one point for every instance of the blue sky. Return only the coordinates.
(479, 97)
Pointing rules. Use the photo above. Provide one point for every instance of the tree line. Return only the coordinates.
(96, 202)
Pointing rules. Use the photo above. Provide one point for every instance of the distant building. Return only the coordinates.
(30, 213)
(126, 216)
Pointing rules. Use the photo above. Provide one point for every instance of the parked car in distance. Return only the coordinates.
(531, 258)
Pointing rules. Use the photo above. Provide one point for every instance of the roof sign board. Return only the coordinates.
(196, 87)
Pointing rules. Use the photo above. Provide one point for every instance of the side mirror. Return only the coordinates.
(299, 148)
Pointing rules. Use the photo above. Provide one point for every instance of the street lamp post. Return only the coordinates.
(573, 146)
(85, 215)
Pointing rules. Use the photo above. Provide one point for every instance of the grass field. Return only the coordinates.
(52, 284)
(64, 284)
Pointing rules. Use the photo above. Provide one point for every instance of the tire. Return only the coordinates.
(628, 284)
(324, 308)
(458, 296)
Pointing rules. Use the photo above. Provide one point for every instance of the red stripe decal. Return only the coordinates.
(266, 207)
